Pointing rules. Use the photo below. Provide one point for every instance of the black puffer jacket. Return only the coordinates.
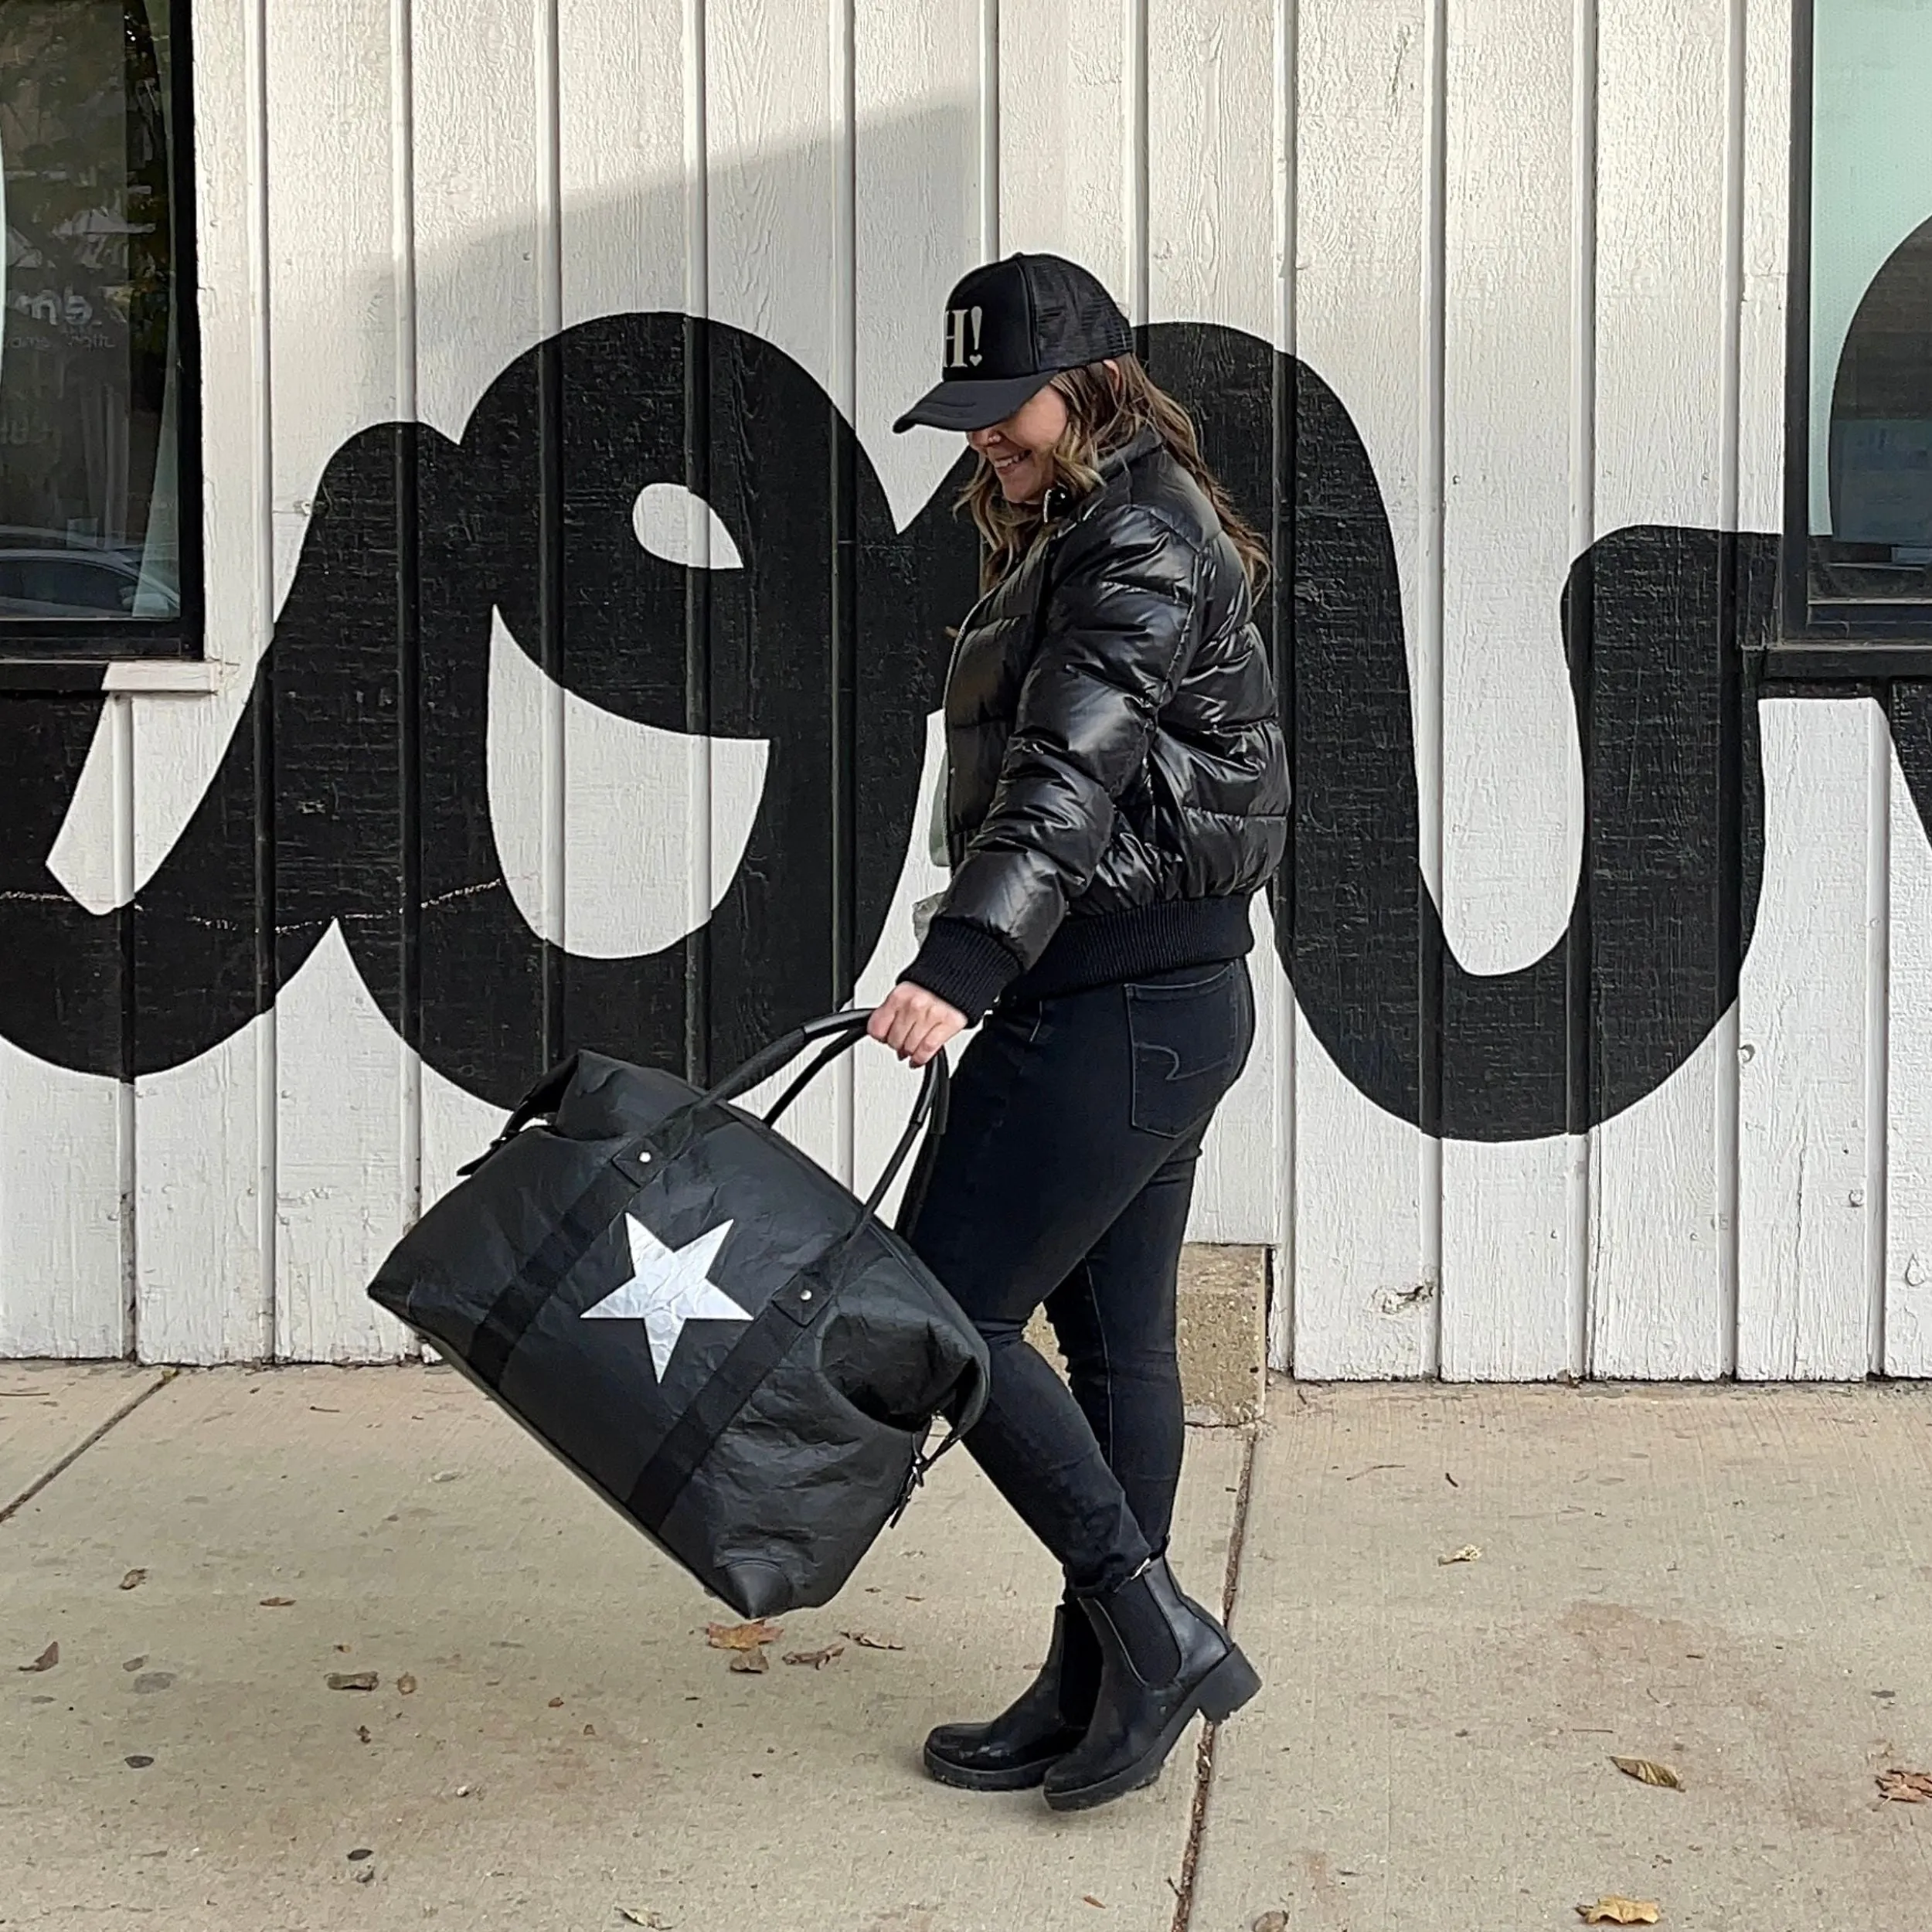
(1119, 785)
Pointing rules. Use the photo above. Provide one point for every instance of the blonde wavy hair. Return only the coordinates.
(1105, 409)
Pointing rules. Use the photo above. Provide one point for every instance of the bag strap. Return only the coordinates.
(546, 1097)
(773, 1332)
(508, 1319)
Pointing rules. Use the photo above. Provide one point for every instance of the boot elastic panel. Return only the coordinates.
(1146, 1631)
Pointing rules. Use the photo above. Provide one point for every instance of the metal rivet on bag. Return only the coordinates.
(805, 1295)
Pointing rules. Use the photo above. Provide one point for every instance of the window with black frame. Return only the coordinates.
(1858, 549)
(100, 504)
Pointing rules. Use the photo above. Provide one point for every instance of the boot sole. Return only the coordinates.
(1021, 1778)
(1221, 1693)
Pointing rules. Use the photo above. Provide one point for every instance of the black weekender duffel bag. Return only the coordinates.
(698, 1319)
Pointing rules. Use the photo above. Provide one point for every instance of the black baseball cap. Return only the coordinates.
(1009, 328)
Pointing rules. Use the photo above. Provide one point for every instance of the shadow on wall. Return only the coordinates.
(355, 789)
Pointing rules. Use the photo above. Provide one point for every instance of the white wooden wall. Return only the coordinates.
(1537, 247)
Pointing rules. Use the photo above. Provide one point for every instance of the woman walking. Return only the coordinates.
(1117, 791)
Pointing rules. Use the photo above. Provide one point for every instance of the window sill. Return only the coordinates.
(111, 673)
(1837, 659)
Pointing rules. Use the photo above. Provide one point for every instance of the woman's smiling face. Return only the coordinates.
(1018, 448)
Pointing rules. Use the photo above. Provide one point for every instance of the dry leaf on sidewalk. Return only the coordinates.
(356, 1680)
(361, 1731)
(1648, 1771)
(1087, 1898)
(655, 1920)
(749, 1663)
(1275, 1921)
(1905, 1787)
(1469, 1553)
(818, 1659)
(278, 1603)
(1612, 1910)
(747, 1637)
(864, 1642)
(406, 1685)
(133, 1580)
(557, 1703)
(46, 1660)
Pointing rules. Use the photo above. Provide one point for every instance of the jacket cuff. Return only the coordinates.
(965, 965)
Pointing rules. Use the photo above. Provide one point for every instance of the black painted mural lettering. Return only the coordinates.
(353, 792)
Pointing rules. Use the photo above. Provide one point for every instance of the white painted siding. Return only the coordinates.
(1536, 247)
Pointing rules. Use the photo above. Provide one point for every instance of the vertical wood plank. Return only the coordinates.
(1365, 1201)
(481, 186)
(1511, 775)
(1213, 255)
(1213, 229)
(488, 284)
(62, 1257)
(918, 185)
(204, 1132)
(66, 1155)
(1807, 1231)
(1508, 1257)
(1761, 49)
(917, 190)
(340, 1188)
(1908, 1124)
(1663, 137)
(778, 143)
(1760, 207)
(1512, 819)
(620, 168)
(638, 830)
(1657, 1301)
(345, 1137)
(1065, 114)
(202, 1198)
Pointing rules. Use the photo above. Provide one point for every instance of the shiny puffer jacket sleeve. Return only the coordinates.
(1122, 616)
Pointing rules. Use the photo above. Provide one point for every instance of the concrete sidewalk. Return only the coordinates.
(1735, 1581)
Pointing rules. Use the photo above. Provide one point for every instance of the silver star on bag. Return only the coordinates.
(668, 1288)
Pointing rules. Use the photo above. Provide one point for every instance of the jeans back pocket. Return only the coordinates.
(1191, 1031)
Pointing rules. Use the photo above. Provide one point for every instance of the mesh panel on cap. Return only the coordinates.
(1074, 317)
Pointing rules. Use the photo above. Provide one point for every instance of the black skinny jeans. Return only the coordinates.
(1064, 1176)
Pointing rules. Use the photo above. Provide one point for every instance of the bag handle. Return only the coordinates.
(843, 1032)
(544, 1098)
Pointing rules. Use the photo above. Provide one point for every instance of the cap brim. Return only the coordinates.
(962, 404)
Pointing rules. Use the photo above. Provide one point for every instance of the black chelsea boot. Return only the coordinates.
(1012, 1752)
(1163, 1659)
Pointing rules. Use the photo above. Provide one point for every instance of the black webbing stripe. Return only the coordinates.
(509, 1316)
(773, 1333)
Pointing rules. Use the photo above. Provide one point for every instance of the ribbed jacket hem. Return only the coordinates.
(968, 967)
(1109, 947)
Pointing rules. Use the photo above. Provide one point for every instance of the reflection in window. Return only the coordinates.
(1870, 428)
(90, 518)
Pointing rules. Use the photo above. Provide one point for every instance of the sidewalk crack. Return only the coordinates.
(1204, 1752)
(9, 1510)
